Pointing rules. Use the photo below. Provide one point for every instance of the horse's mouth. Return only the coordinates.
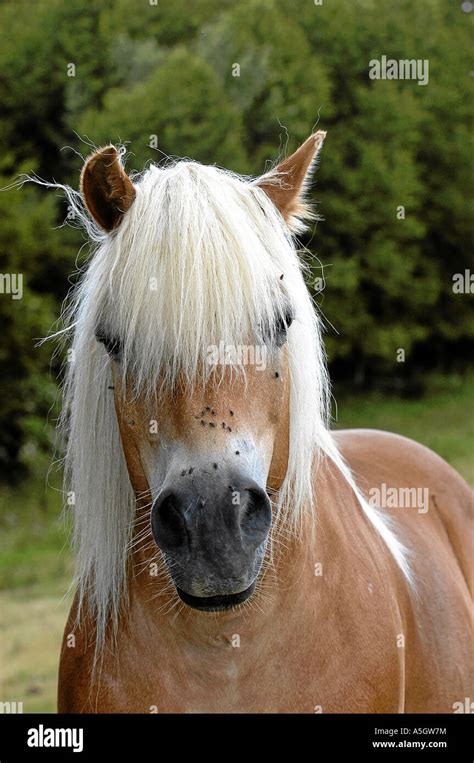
(216, 603)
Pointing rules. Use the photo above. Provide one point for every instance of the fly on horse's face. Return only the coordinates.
(208, 455)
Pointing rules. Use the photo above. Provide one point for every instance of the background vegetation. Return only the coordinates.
(160, 79)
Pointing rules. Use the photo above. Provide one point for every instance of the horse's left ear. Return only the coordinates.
(286, 184)
(106, 188)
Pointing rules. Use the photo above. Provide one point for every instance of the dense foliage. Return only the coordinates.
(237, 84)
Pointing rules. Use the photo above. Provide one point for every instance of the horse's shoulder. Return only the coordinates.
(379, 459)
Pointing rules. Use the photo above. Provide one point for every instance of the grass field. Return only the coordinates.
(36, 567)
(35, 573)
(444, 421)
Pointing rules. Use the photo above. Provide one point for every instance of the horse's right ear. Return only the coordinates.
(106, 188)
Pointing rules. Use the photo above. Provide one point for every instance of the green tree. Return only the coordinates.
(181, 103)
(30, 250)
(265, 65)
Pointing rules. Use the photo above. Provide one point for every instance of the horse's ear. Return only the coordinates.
(106, 188)
(287, 183)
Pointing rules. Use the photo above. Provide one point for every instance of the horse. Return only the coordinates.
(231, 556)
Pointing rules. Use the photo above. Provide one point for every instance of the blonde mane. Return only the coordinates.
(201, 256)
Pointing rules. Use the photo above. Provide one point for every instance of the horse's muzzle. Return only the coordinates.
(213, 533)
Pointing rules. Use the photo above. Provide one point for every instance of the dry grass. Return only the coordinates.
(30, 639)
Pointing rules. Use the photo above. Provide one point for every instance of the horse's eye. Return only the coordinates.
(280, 327)
(284, 322)
(111, 343)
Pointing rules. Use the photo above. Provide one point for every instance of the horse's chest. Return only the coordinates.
(297, 673)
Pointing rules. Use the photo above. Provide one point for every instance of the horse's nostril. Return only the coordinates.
(256, 516)
(167, 524)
